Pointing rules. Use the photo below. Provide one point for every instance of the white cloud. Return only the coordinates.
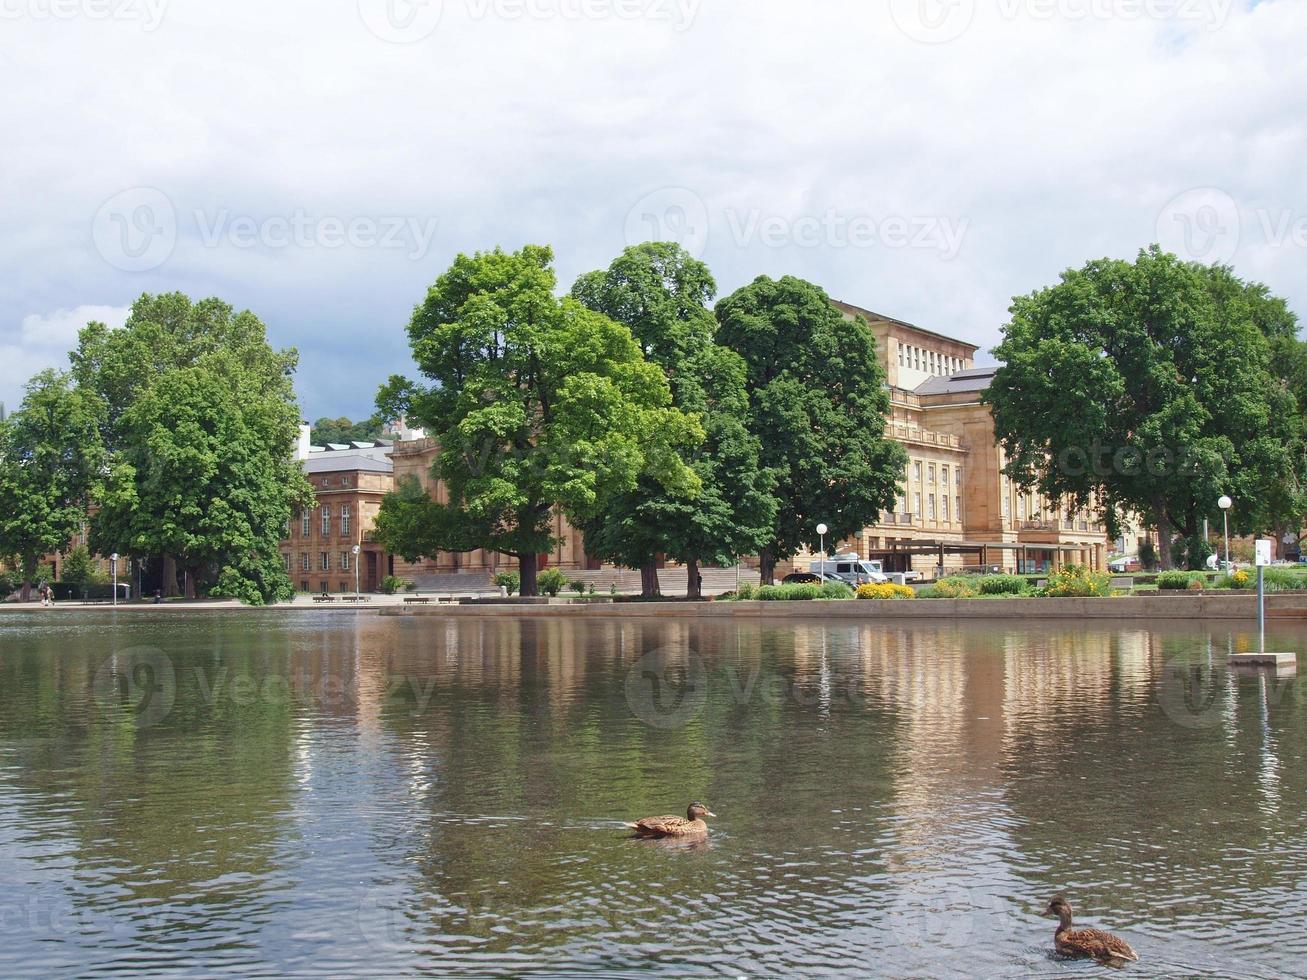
(43, 340)
(1057, 130)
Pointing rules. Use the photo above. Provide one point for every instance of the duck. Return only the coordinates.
(1102, 946)
(690, 825)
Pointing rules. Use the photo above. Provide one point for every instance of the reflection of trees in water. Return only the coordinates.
(189, 811)
(1137, 769)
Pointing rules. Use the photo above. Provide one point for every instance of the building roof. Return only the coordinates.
(872, 315)
(360, 460)
(971, 380)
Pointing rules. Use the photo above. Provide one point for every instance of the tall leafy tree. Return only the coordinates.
(200, 419)
(536, 402)
(1139, 387)
(661, 293)
(343, 430)
(818, 408)
(51, 460)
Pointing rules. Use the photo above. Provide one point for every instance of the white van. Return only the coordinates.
(849, 569)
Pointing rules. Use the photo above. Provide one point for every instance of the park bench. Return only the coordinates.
(417, 599)
(324, 598)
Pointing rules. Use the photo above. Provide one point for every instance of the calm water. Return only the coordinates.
(331, 794)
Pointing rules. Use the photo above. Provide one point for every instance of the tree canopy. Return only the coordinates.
(660, 292)
(1145, 387)
(201, 421)
(51, 461)
(536, 402)
(818, 407)
(344, 431)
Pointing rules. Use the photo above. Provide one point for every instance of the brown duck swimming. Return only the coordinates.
(1102, 946)
(690, 825)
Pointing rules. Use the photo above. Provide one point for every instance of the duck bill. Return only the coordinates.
(710, 814)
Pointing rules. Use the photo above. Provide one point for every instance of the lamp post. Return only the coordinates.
(357, 594)
(821, 532)
(113, 564)
(1225, 503)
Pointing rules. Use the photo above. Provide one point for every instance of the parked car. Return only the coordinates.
(849, 569)
(801, 578)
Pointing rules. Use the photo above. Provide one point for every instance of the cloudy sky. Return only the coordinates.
(320, 163)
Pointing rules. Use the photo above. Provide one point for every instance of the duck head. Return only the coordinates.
(698, 811)
(1059, 908)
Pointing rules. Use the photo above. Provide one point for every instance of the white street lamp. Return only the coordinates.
(821, 531)
(357, 594)
(1225, 503)
(113, 563)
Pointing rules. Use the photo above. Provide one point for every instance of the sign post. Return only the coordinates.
(1286, 661)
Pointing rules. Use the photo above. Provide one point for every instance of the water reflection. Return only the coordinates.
(334, 794)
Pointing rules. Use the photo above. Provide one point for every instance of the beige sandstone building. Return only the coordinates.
(956, 507)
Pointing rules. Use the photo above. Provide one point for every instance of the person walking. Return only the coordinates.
(43, 590)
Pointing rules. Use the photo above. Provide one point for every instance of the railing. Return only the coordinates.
(1038, 526)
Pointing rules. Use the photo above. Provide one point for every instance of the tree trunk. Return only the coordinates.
(29, 573)
(528, 570)
(650, 587)
(694, 581)
(767, 566)
(1163, 538)
(190, 582)
(169, 576)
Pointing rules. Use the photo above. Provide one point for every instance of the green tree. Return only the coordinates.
(79, 568)
(201, 421)
(536, 402)
(51, 460)
(660, 292)
(344, 431)
(818, 408)
(1138, 387)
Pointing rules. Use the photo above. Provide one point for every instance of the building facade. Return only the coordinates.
(349, 482)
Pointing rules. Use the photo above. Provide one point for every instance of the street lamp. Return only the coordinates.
(357, 594)
(113, 563)
(821, 531)
(1225, 503)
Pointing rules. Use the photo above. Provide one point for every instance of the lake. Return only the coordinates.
(327, 793)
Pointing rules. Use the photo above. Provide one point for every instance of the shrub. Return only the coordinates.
(578, 586)
(1003, 585)
(1235, 580)
(790, 593)
(1281, 579)
(955, 587)
(1178, 581)
(746, 591)
(836, 590)
(1148, 555)
(887, 590)
(393, 583)
(551, 582)
(509, 581)
(1076, 581)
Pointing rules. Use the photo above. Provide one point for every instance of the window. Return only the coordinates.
(304, 561)
(916, 504)
(285, 561)
(957, 509)
(943, 505)
(325, 590)
(930, 470)
(1007, 505)
(344, 520)
(902, 351)
(930, 506)
(1021, 508)
(344, 561)
(324, 563)
(943, 475)
(306, 528)
(326, 520)
(916, 473)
